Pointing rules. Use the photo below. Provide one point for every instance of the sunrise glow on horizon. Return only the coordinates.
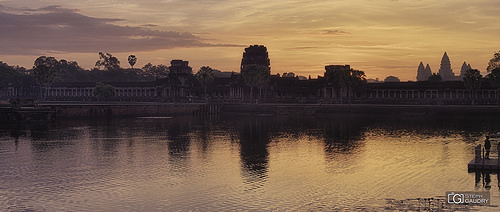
(382, 38)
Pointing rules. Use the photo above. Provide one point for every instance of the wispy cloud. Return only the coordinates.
(334, 32)
(57, 29)
(374, 35)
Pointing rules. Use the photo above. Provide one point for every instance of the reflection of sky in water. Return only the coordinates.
(261, 163)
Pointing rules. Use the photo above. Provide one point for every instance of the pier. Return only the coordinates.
(480, 163)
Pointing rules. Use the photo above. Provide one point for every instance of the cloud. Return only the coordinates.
(334, 32)
(61, 30)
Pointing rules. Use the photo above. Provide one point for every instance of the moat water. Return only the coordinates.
(242, 162)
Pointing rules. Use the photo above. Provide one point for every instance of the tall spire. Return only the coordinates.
(423, 74)
(420, 72)
(445, 69)
(464, 69)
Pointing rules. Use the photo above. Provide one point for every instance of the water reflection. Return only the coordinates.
(254, 139)
(341, 133)
(482, 179)
(178, 137)
(337, 162)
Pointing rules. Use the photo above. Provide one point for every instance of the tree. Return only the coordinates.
(345, 79)
(155, 71)
(44, 72)
(70, 71)
(472, 80)
(358, 79)
(107, 62)
(494, 78)
(103, 91)
(8, 72)
(255, 76)
(435, 78)
(132, 60)
(205, 76)
(494, 62)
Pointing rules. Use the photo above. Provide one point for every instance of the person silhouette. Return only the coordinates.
(487, 146)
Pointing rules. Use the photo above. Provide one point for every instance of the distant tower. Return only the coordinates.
(464, 69)
(180, 67)
(423, 74)
(256, 54)
(445, 70)
(428, 70)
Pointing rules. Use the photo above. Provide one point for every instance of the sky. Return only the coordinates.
(379, 37)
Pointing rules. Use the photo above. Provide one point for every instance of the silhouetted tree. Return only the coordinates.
(70, 71)
(435, 78)
(108, 62)
(472, 81)
(44, 72)
(155, 71)
(345, 80)
(8, 72)
(132, 60)
(205, 76)
(493, 78)
(494, 62)
(103, 91)
(255, 76)
(358, 80)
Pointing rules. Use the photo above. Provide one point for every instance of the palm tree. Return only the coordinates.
(132, 59)
(205, 76)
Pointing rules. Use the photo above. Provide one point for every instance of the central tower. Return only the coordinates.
(445, 69)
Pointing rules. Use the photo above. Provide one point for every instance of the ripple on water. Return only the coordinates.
(148, 165)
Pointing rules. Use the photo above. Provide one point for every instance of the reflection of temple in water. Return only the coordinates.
(254, 155)
(341, 133)
(179, 142)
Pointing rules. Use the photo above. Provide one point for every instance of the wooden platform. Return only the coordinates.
(479, 163)
(484, 164)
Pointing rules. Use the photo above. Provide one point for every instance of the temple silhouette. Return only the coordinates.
(445, 70)
(181, 86)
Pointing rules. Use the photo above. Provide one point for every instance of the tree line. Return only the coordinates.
(107, 69)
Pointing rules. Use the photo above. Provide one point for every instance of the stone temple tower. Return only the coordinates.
(445, 69)
(428, 70)
(423, 74)
(464, 69)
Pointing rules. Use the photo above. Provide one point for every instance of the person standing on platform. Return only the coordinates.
(487, 146)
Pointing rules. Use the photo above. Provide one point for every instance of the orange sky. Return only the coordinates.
(382, 38)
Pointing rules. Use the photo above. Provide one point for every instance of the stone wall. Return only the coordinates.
(103, 110)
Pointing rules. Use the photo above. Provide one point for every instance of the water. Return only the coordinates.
(347, 162)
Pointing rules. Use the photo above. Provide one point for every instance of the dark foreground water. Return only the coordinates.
(242, 162)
